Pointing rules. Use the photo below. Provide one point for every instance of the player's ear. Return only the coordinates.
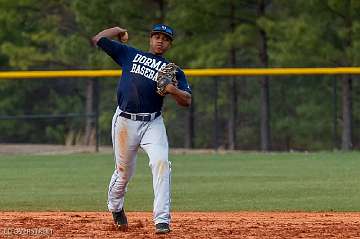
(150, 40)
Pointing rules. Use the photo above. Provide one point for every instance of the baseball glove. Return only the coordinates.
(166, 76)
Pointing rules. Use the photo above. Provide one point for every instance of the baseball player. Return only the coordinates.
(137, 121)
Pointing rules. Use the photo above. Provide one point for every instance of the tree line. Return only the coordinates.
(262, 113)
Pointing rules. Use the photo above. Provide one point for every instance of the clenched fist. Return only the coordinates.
(123, 36)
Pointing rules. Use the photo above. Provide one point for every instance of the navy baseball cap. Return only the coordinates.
(163, 29)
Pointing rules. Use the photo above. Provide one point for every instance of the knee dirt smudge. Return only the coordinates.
(123, 142)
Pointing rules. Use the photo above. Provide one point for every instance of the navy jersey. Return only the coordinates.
(136, 91)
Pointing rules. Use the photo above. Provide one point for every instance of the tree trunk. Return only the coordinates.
(216, 117)
(264, 84)
(232, 115)
(265, 115)
(89, 138)
(346, 139)
(190, 133)
(232, 87)
(162, 11)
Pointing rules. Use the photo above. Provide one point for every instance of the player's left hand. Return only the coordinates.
(166, 76)
(170, 88)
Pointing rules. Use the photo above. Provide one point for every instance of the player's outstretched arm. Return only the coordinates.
(181, 97)
(119, 32)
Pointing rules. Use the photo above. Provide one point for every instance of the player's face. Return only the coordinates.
(159, 43)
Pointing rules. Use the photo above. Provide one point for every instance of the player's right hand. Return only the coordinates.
(123, 36)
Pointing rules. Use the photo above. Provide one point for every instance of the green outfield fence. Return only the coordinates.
(188, 72)
(216, 74)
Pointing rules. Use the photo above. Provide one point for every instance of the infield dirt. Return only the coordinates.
(184, 225)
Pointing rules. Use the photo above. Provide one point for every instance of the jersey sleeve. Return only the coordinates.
(117, 51)
(182, 81)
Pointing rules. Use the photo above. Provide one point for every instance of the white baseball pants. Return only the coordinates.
(127, 136)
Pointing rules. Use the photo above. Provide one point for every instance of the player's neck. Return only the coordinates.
(154, 53)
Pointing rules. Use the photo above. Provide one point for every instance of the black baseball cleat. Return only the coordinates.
(120, 220)
(162, 228)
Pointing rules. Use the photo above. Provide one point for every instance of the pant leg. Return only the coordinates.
(126, 141)
(155, 144)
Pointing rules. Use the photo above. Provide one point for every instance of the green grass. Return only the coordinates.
(323, 181)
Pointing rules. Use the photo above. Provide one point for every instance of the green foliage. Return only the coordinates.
(54, 34)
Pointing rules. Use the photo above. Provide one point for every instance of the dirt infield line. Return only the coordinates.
(184, 225)
(50, 149)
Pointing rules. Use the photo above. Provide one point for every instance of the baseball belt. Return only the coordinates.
(140, 117)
